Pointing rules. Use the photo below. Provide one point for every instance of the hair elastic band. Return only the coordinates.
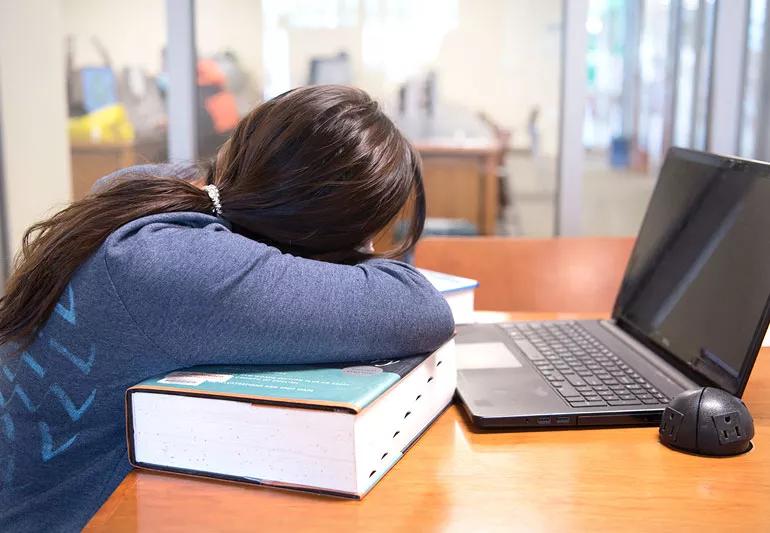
(213, 192)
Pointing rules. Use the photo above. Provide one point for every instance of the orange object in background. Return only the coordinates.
(223, 111)
(209, 73)
(219, 103)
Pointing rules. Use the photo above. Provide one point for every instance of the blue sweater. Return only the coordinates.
(169, 291)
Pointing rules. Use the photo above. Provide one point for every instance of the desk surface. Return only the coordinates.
(457, 480)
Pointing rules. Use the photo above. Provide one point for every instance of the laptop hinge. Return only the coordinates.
(650, 356)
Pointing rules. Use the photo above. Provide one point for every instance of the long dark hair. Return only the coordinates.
(316, 172)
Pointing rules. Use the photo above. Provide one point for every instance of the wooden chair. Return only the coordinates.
(549, 275)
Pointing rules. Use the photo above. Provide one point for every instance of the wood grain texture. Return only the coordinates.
(567, 275)
(453, 187)
(456, 480)
(462, 183)
(91, 161)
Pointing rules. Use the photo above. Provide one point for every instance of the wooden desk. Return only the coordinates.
(460, 154)
(457, 480)
(91, 161)
(461, 181)
(579, 275)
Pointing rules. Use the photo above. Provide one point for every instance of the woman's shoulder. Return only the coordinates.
(168, 231)
(184, 171)
(172, 244)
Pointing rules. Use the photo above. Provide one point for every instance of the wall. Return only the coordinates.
(134, 33)
(34, 116)
(504, 59)
(231, 25)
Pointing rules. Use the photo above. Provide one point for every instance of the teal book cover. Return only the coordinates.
(348, 386)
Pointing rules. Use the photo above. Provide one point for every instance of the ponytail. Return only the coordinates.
(53, 249)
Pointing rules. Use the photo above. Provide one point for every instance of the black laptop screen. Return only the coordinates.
(698, 281)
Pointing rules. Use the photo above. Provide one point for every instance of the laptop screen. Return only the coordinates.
(698, 281)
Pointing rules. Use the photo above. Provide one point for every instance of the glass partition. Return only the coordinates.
(116, 86)
(754, 138)
(649, 66)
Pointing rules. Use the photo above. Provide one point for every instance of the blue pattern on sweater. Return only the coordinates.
(170, 291)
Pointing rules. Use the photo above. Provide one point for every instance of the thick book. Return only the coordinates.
(331, 429)
(459, 293)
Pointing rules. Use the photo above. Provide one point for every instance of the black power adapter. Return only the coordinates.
(707, 421)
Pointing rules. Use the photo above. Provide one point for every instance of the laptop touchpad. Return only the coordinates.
(482, 355)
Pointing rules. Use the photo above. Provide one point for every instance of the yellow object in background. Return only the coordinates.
(108, 124)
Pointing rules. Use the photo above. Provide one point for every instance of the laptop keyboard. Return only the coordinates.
(581, 369)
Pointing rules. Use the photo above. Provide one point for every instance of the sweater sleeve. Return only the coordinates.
(204, 295)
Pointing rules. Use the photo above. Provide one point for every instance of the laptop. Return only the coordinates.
(692, 311)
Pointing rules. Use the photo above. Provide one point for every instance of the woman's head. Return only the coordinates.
(316, 172)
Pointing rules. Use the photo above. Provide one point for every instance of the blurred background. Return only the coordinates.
(534, 118)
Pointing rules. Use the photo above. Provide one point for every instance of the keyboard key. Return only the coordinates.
(579, 367)
(623, 402)
(529, 350)
(567, 390)
(650, 401)
(574, 379)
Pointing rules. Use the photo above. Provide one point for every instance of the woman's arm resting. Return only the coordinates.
(205, 295)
